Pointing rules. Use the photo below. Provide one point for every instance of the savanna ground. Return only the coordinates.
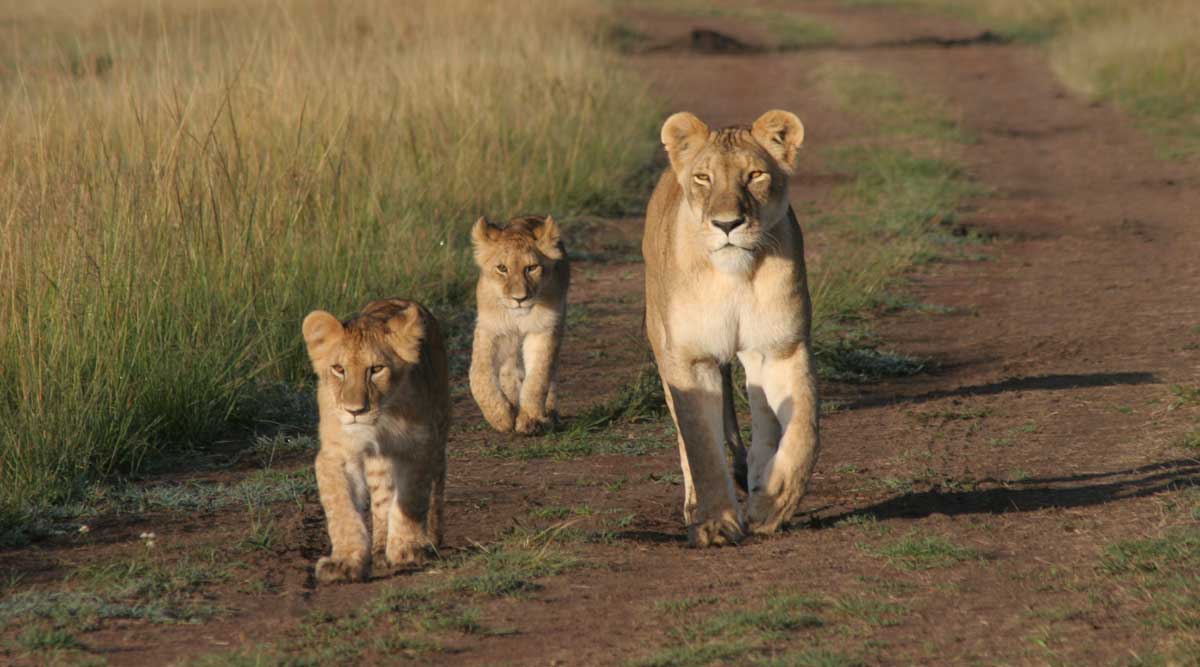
(1003, 255)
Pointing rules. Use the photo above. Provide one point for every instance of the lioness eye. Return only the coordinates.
(338, 370)
(376, 370)
(532, 269)
(701, 178)
(755, 175)
(502, 268)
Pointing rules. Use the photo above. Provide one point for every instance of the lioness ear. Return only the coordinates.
(482, 233)
(405, 332)
(683, 135)
(781, 133)
(321, 330)
(549, 238)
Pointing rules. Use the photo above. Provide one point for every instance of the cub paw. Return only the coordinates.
(341, 570)
(406, 555)
(501, 420)
(723, 530)
(531, 425)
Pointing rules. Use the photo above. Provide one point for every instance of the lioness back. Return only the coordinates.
(384, 399)
(521, 296)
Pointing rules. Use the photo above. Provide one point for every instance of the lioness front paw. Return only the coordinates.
(528, 424)
(501, 420)
(331, 570)
(767, 512)
(723, 530)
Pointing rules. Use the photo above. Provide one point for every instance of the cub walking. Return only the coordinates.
(522, 301)
(384, 402)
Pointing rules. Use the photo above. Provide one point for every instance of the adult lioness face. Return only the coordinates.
(735, 181)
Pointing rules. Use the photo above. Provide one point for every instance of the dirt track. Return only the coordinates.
(1044, 434)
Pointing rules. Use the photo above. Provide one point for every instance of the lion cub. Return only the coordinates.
(522, 298)
(384, 403)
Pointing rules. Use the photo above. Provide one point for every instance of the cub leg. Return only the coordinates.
(538, 351)
(344, 497)
(789, 386)
(697, 408)
(383, 492)
(496, 409)
(433, 523)
(407, 537)
(511, 371)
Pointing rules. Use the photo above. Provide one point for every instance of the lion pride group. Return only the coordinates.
(725, 280)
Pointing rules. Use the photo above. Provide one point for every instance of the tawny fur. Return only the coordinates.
(725, 278)
(384, 401)
(522, 299)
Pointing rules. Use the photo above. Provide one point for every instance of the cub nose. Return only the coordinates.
(728, 226)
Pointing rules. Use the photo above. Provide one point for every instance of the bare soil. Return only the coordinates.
(1046, 431)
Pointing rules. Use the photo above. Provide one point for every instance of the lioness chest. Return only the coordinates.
(717, 315)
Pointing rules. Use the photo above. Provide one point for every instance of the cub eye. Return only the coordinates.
(703, 179)
(532, 269)
(338, 370)
(376, 370)
(502, 268)
(755, 175)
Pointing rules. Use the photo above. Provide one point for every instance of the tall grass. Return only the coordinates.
(181, 180)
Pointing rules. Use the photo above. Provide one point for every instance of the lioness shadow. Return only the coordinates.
(1071, 491)
(1052, 382)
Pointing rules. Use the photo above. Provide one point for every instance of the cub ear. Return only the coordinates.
(482, 234)
(549, 238)
(321, 331)
(683, 135)
(781, 133)
(405, 331)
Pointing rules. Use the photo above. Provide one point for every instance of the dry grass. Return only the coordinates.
(181, 181)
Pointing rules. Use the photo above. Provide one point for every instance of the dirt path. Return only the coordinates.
(1048, 431)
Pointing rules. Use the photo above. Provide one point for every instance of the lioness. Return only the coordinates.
(522, 298)
(725, 276)
(384, 402)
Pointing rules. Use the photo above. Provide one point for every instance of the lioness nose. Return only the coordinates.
(728, 226)
(356, 409)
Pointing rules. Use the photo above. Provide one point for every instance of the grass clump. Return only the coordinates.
(923, 552)
(183, 184)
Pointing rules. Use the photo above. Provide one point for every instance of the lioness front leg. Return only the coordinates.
(344, 497)
(538, 353)
(779, 478)
(496, 409)
(697, 408)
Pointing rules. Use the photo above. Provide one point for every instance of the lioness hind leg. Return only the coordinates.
(765, 428)
(696, 406)
(733, 436)
(345, 498)
(790, 391)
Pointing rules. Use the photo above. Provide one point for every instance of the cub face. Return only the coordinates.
(515, 260)
(362, 363)
(735, 180)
